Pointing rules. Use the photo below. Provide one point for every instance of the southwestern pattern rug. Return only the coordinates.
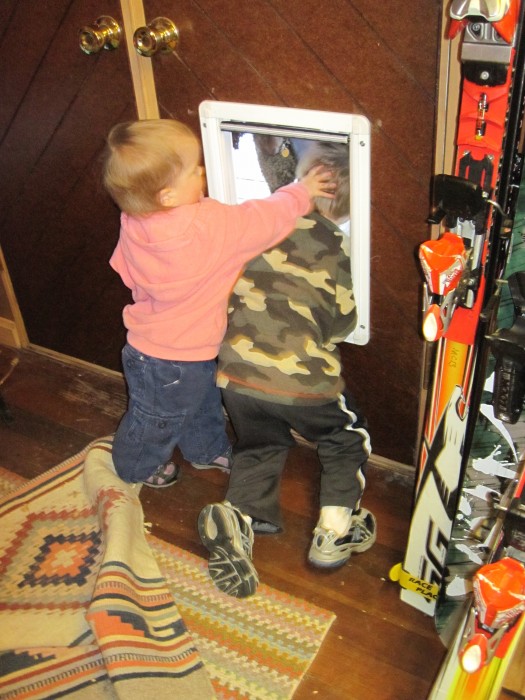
(91, 606)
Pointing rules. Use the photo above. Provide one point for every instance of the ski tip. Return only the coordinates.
(415, 584)
(395, 572)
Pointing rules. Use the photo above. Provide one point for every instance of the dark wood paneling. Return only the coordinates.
(346, 57)
(57, 227)
(378, 59)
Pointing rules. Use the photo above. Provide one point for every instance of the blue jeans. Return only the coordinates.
(170, 403)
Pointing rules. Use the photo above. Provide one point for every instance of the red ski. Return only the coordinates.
(462, 267)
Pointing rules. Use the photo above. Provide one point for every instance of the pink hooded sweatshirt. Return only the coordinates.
(181, 265)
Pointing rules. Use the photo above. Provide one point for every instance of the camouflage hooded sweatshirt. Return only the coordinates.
(291, 306)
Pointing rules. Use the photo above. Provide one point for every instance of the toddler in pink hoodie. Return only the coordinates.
(180, 254)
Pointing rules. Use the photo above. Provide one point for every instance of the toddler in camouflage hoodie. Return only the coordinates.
(280, 371)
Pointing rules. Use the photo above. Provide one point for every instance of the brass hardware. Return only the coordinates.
(104, 33)
(161, 35)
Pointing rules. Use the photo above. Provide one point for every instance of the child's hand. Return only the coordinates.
(318, 182)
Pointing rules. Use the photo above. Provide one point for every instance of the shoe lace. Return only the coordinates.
(247, 542)
(359, 532)
(245, 532)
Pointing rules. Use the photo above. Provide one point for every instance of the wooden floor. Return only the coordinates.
(378, 648)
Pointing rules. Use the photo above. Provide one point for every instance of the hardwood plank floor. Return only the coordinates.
(378, 648)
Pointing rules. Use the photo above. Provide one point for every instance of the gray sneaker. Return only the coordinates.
(328, 550)
(229, 539)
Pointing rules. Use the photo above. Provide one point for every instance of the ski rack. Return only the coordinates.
(508, 347)
(489, 158)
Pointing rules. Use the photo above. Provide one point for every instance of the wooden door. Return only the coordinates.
(57, 226)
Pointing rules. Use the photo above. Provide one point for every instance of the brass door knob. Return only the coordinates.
(104, 33)
(160, 36)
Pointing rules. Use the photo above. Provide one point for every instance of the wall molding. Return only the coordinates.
(141, 68)
(375, 461)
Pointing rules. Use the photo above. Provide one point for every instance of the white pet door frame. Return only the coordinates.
(231, 180)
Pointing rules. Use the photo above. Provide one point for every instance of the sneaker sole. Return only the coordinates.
(204, 467)
(160, 486)
(168, 481)
(231, 571)
(328, 564)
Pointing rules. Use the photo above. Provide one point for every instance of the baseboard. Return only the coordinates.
(391, 465)
(9, 335)
(75, 361)
(375, 461)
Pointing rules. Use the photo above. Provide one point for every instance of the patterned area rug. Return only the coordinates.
(92, 607)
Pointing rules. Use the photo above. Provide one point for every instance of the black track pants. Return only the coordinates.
(264, 438)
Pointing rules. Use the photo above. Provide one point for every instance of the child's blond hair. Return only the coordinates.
(141, 159)
(335, 158)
